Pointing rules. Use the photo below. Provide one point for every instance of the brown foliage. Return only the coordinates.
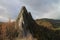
(7, 30)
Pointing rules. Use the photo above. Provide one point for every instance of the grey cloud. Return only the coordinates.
(38, 8)
(42, 7)
(12, 7)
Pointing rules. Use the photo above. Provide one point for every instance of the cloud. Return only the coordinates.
(9, 8)
(3, 19)
(43, 8)
(38, 8)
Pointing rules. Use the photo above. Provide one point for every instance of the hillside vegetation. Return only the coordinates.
(46, 29)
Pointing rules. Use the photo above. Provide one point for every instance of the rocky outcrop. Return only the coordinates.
(27, 25)
(23, 22)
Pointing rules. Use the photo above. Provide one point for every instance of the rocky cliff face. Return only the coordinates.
(23, 22)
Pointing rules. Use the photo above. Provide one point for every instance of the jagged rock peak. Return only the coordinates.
(24, 8)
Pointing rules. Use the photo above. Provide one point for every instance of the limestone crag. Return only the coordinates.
(22, 22)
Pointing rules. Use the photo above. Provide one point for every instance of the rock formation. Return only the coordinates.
(25, 25)
(22, 22)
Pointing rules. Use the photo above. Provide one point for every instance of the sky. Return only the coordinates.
(38, 8)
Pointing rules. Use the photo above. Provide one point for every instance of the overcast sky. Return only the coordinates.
(38, 8)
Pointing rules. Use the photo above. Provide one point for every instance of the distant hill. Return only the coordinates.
(48, 22)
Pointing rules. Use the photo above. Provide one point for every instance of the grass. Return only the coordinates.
(56, 28)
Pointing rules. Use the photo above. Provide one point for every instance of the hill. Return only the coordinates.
(49, 23)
